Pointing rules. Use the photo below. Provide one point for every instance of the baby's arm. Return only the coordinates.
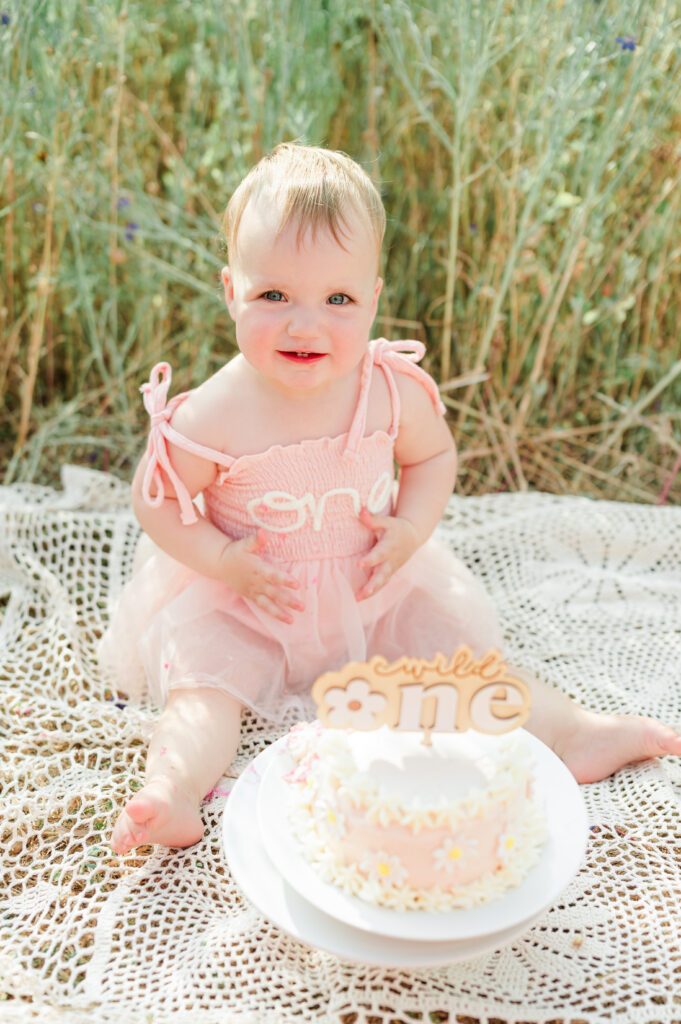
(425, 451)
(202, 546)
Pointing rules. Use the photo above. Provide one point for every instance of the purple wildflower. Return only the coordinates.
(122, 202)
(626, 42)
(130, 228)
(4, 18)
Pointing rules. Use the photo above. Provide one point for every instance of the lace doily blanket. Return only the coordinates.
(590, 596)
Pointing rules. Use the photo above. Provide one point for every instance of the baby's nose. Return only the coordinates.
(303, 324)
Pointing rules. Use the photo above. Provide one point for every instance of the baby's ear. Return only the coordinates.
(228, 285)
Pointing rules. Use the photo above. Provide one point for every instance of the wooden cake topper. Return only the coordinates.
(443, 695)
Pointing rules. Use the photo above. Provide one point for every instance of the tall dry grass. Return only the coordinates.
(530, 164)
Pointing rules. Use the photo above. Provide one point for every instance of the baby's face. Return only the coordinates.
(303, 307)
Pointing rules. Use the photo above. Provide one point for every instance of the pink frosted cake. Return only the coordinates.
(415, 827)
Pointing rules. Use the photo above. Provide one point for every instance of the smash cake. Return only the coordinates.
(414, 826)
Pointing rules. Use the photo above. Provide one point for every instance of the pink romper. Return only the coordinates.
(180, 629)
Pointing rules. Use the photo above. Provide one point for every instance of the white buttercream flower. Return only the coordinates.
(451, 853)
(331, 820)
(354, 707)
(385, 869)
(506, 846)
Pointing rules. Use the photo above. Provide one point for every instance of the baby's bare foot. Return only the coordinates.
(601, 744)
(160, 813)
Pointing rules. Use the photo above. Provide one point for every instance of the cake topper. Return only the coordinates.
(447, 694)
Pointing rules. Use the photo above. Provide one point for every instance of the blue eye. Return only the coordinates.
(338, 299)
(273, 296)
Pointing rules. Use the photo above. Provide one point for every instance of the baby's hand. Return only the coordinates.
(397, 540)
(242, 568)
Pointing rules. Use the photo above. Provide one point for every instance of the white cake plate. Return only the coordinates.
(559, 861)
(265, 887)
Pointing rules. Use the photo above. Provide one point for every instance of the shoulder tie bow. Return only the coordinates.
(392, 357)
(403, 357)
(155, 394)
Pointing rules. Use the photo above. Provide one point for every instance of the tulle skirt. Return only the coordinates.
(175, 629)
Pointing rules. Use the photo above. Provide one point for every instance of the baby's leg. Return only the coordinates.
(593, 745)
(193, 744)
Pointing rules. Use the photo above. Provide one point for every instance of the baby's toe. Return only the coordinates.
(127, 833)
(668, 742)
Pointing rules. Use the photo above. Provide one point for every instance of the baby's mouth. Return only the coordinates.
(303, 357)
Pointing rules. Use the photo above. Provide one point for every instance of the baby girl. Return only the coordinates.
(278, 544)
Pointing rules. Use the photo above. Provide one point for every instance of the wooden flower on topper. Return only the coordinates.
(443, 695)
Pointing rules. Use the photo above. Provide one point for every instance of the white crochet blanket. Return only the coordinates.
(590, 596)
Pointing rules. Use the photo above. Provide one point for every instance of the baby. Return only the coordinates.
(302, 553)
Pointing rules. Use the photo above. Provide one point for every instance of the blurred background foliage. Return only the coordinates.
(528, 153)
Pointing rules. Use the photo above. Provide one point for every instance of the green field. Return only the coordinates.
(529, 157)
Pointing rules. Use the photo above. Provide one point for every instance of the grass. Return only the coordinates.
(530, 167)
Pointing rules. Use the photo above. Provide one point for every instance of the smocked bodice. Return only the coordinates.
(306, 496)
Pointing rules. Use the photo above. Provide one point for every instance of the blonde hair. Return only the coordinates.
(313, 187)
